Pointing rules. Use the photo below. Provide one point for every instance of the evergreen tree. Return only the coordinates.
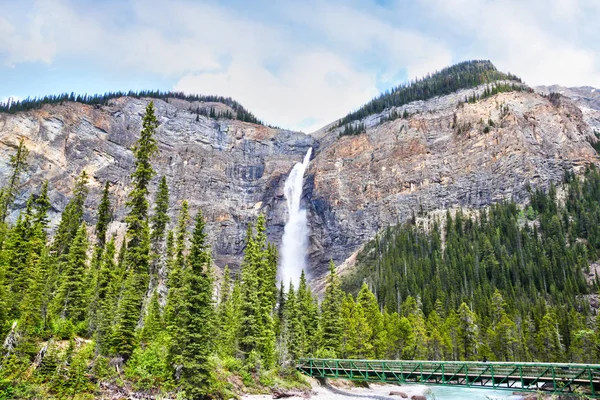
(331, 326)
(70, 298)
(160, 219)
(107, 290)
(18, 164)
(294, 330)
(153, 323)
(71, 219)
(138, 235)
(198, 316)
(104, 217)
(309, 315)
(467, 332)
(548, 340)
(368, 302)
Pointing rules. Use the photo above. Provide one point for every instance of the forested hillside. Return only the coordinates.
(239, 112)
(519, 271)
(464, 75)
(81, 313)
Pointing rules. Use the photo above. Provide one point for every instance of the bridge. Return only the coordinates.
(549, 377)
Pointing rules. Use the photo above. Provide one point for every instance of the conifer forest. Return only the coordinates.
(80, 308)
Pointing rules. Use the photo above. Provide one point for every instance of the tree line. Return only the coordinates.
(524, 270)
(464, 75)
(14, 106)
(82, 308)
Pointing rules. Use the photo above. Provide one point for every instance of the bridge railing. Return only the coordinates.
(556, 377)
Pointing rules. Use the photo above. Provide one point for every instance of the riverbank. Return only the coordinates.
(341, 390)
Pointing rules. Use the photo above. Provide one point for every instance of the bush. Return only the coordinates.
(63, 329)
(148, 367)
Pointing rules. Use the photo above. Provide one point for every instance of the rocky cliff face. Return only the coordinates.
(231, 169)
(443, 155)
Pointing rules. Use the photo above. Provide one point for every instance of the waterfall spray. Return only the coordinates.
(295, 235)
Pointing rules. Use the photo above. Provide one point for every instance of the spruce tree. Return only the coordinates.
(128, 313)
(331, 326)
(198, 317)
(70, 298)
(160, 219)
(71, 219)
(137, 236)
(104, 217)
(309, 315)
(108, 287)
(294, 329)
(153, 322)
(231, 322)
(175, 307)
(367, 300)
(18, 164)
(467, 332)
(138, 231)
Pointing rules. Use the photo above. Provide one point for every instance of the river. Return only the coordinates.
(382, 392)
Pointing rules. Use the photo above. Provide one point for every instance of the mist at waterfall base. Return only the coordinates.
(294, 243)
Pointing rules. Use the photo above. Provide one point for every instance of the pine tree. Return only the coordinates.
(104, 217)
(71, 219)
(294, 329)
(42, 205)
(138, 235)
(160, 219)
(198, 318)
(548, 340)
(128, 312)
(70, 298)
(467, 332)
(259, 296)
(331, 326)
(368, 302)
(175, 306)
(153, 323)
(107, 290)
(231, 322)
(309, 315)
(18, 164)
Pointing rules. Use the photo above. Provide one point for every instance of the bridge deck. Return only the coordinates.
(554, 378)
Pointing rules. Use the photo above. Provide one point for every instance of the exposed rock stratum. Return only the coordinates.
(444, 154)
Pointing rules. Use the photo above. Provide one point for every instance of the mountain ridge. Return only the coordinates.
(445, 153)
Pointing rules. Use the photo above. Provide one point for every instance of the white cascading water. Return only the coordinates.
(295, 235)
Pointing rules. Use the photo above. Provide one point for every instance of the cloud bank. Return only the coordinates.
(295, 64)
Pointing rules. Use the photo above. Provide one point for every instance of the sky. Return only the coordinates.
(295, 64)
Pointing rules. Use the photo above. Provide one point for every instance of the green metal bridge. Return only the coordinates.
(549, 377)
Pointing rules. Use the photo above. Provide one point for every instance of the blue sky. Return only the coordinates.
(296, 64)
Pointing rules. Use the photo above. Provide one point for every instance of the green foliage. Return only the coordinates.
(71, 218)
(241, 113)
(160, 219)
(197, 319)
(147, 368)
(501, 276)
(18, 164)
(463, 75)
(104, 217)
(259, 295)
(70, 300)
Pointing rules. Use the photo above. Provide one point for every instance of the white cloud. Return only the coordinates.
(304, 64)
(535, 40)
(317, 85)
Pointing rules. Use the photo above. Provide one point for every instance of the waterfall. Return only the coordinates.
(295, 235)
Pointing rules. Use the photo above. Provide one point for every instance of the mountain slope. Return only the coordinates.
(445, 154)
(423, 155)
(232, 169)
